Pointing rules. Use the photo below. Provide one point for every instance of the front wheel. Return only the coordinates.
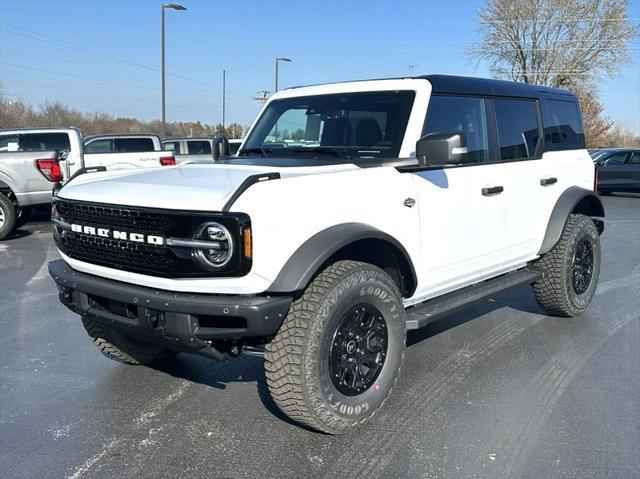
(338, 353)
(571, 269)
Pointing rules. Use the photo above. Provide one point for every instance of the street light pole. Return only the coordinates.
(278, 60)
(173, 6)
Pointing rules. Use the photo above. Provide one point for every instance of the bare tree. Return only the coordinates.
(596, 125)
(560, 43)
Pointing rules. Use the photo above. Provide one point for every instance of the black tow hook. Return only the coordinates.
(211, 352)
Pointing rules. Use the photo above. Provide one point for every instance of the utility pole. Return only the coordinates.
(412, 67)
(263, 96)
(224, 95)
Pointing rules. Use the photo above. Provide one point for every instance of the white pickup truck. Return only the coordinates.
(191, 149)
(353, 213)
(33, 160)
(71, 141)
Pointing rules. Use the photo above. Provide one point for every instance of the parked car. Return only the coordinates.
(122, 143)
(195, 149)
(408, 199)
(618, 169)
(33, 160)
(26, 181)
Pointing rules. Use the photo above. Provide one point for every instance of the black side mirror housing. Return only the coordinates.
(220, 147)
(442, 149)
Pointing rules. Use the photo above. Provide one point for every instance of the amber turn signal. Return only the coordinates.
(247, 243)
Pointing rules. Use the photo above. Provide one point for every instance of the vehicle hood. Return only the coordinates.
(204, 187)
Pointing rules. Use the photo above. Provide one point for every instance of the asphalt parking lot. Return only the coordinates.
(497, 391)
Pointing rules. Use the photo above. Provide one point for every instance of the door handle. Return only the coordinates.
(548, 181)
(494, 190)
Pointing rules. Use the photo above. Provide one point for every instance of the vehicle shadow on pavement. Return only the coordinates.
(520, 299)
(217, 374)
(17, 234)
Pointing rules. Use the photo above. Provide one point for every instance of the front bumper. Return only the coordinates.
(179, 321)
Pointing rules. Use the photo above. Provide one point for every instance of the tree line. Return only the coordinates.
(17, 114)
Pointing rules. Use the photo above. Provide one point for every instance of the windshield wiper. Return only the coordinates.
(337, 152)
(264, 152)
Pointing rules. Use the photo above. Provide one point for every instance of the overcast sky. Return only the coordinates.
(104, 55)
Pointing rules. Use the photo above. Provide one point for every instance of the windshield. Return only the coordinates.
(345, 125)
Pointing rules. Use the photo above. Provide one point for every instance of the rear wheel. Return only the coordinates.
(125, 349)
(7, 217)
(571, 269)
(337, 355)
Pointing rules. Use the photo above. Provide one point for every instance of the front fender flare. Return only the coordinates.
(306, 262)
(573, 199)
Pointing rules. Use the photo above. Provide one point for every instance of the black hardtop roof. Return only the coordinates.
(462, 85)
(484, 86)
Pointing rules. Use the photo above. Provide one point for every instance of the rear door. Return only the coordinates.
(634, 170)
(613, 172)
(519, 137)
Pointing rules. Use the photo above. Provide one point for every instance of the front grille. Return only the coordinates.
(115, 217)
(119, 254)
(138, 257)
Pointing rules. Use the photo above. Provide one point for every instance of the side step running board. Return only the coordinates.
(422, 314)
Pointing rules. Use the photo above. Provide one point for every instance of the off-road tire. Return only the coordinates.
(9, 216)
(122, 348)
(297, 360)
(555, 292)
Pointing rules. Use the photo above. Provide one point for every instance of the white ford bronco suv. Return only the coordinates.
(353, 213)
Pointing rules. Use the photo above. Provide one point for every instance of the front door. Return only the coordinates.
(462, 208)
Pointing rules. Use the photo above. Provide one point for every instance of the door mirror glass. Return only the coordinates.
(442, 149)
(220, 146)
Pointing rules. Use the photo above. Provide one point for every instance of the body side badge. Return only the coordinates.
(409, 202)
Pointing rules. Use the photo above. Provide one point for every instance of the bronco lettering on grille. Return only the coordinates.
(118, 235)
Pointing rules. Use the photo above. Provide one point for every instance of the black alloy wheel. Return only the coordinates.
(358, 349)
(582, 266)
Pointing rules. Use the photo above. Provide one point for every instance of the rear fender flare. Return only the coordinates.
(572, 200)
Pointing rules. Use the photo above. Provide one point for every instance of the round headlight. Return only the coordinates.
(221, 249)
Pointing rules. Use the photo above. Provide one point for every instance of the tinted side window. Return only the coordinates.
(172, 146)
(562, 125)
(450, 114)
(9, 142)
(131, 145)
(635, 158)
(617, 159)
(518, 133)
(198, 147)
(99, 146)
(44, 142)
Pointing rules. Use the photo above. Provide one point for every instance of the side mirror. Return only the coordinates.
(442, 149)
(220, 147)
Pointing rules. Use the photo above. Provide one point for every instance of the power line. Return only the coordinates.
(64, 44)
(112, 82)
(100, 94)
